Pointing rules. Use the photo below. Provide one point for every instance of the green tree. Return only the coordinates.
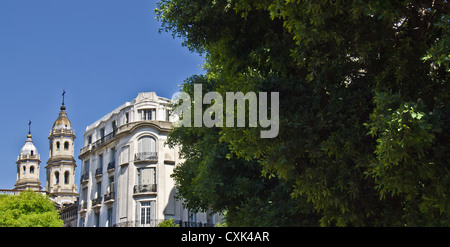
(28, 209)
(364, 102)
(211, 179)
(168, 223)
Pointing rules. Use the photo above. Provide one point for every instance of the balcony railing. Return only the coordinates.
(99, 142)
(96, 202)
(155, 222)
(111, 165)
(99, 171)
(145, 156)
(192, 224)
(28, 157)
(144, 188)
(85, 177)
(104, 139)
(82, 207)
(109, 197)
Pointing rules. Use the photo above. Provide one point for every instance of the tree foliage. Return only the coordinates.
(168, 223)
(364, 109)
(28, 209)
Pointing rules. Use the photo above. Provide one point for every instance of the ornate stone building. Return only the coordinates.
(126, 168)
(60, 179)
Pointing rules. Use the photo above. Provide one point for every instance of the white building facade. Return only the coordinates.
(126, 168)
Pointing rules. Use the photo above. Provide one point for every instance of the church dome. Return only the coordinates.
(28, 148)
(62, 122)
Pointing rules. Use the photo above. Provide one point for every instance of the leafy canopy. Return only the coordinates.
(364, 106)
(28, 209)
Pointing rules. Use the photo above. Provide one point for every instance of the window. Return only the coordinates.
(32, 152)
(110, 187)
(127, 117)
(100, 162)
(86, 166)
(147, 213)
(112, 157)
(125, 155)
(31, 169)
(57, 145)
(114, 126)
(99, 189)
(109, 217)
(167, 115)
(146, 177)
(81, 222)
(102, 133)
(192, 219)
(56, 177)
(66, 177)
(89, 139)
(146, 149)
(84, 195)
(146, 144)
(24, 169)
(147, 114)
(66, 145)
(97, 220)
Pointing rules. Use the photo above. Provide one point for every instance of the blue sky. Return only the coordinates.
(102, 52)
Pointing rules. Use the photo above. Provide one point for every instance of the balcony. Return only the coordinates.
(111, 165)
(82, 207)
(97, 202)
(109, 197)
(99, 171)
(85, 178)
(146, 157)
(155, 222)
(100, 142)
(144, 189)
(111, 168)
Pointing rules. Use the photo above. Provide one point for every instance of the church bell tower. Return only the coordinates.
(61, 163)
(28, 163)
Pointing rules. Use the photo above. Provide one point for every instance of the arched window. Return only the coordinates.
(57, 145)
(24, 169)
(56, 177)
(66, 145)
(66, 177)
(146, 144)
(146, 148)
(31, 169)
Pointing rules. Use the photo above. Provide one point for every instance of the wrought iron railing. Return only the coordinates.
(96, 201)
(109, 196)
(111, 165)
(99, 171)
(103, 139)
(155, 222)
(144, 188)
(82, 206)
(99, 142)
(146, 156)
(85, 177)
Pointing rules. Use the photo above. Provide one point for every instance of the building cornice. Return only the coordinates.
(162, 127)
